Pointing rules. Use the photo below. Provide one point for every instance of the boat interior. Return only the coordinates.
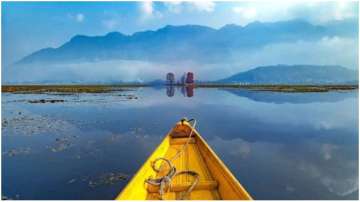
(213, 180)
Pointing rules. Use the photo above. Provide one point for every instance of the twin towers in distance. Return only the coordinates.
(186, 79)
(186, 83)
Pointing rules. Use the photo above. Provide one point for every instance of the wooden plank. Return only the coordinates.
(202, 185)
(181, 141)
(229, 187)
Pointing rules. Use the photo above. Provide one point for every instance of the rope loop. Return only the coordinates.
(164, 182)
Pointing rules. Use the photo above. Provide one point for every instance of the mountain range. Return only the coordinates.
(187, 42)
(295, 74)
(208, 52)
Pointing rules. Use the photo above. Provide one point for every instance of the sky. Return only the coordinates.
(30, 26)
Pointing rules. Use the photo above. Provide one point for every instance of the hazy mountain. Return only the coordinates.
(295, 74)
(210, 53)
(188, 42)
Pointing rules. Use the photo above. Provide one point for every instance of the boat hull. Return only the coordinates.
(216, 182)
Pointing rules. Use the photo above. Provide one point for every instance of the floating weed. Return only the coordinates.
(104, 179)
(107, 179)
(45, 101)
(61, 144)
(17, 151)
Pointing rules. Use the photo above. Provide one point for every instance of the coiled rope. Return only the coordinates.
(165, 181)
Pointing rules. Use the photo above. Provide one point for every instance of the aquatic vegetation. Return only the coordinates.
(17, 197)
(68, 89)
(17, 151)
(27, 124)
(129, 96)
(71, 181)
(73, 89)
(45, 101)
(61, 144)
(107, 179)
(103, 179)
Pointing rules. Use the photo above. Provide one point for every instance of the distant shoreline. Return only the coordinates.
(283, 87)
(99, 88)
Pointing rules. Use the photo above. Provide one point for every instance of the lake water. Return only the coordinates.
(279, 145)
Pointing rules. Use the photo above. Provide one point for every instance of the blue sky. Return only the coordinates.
(29, 26)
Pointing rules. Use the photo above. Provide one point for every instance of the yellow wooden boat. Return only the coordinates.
(183, 166)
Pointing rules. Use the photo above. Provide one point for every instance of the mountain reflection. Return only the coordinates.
(293, 98)
(273, 97)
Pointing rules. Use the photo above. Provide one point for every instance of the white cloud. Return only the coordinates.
(327, 151)
(110, 23)
(79, 17)
(248, 13)
(341, 184)
(327, 51)
(147, 8)
(321, 12)
(235, 147)
(316, 12)
(148, 11)
(343, 10)
(174, 6)
(180, 6)
(341, 187)
(207, 6)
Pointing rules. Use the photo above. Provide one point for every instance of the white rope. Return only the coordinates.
(165, 181)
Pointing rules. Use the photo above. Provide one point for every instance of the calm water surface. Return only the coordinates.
(279, 145)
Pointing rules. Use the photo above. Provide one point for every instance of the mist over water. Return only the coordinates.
(326, 51)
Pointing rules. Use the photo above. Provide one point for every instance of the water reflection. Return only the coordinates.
(294, 98)
(277, 148)
(170, 91)
(186, 91)
(272, 97)
(304, 170)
